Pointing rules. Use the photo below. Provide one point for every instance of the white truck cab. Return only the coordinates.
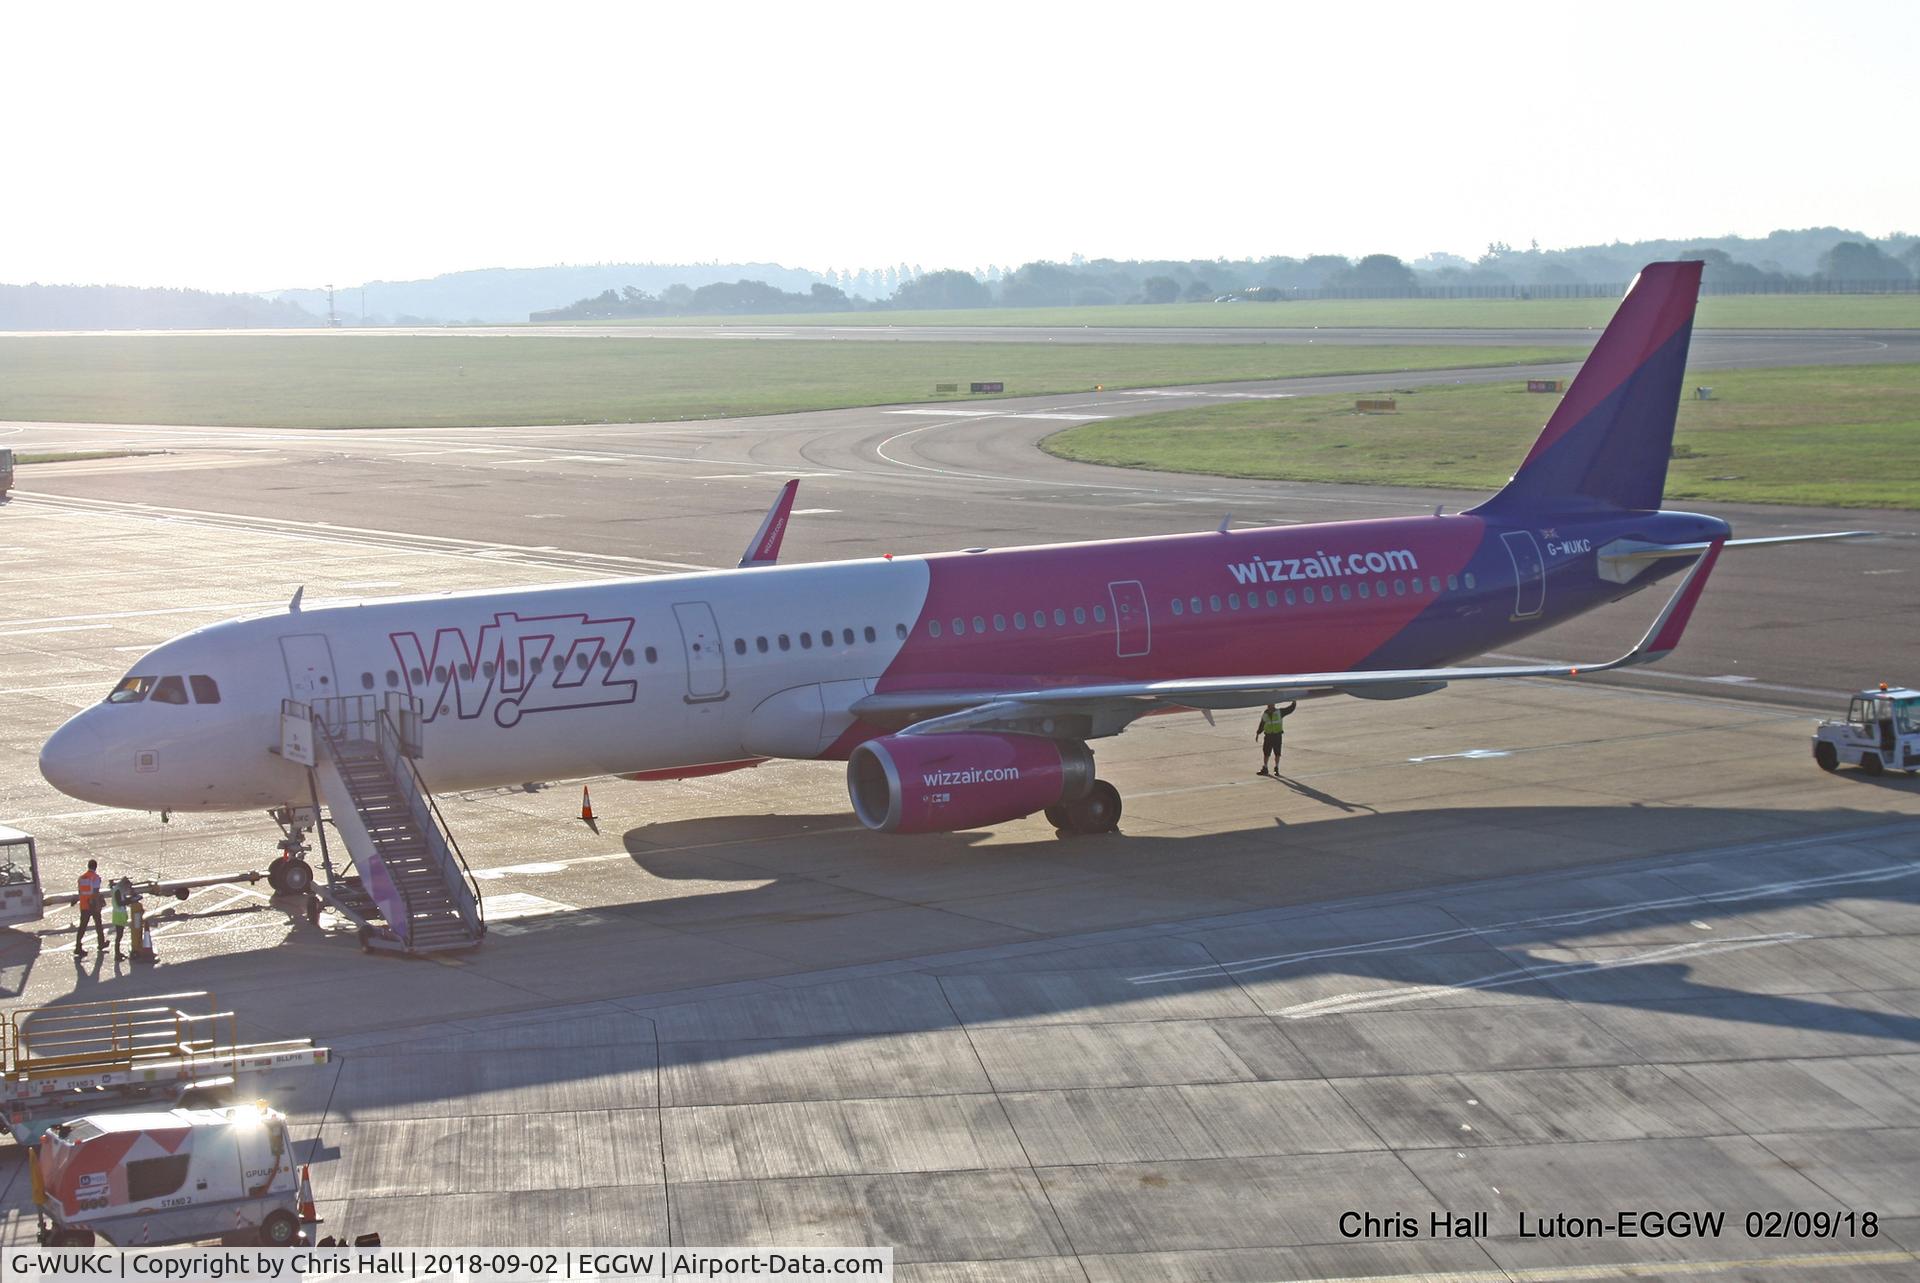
(1881, 733)
(176, 1176)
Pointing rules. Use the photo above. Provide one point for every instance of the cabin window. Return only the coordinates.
(169, 690)
(606, 661)
(626, 656)
(1469, 579)
(1363, 590)
(1213, 602)
(1059, 617)
(933, 628)
(900, 631)
(1178, 607)
(760, 644)
(393, 677)
(1346, 592)
(1039, 619)
(1194, 605)
(806, 641)
(979, 624)
(1019, 621)
(959, 626)
(870, 635)
(413, 674)
(739, 645)
(584, 662)
(486, 670)
(1326, 592)
(846, 635)
(1453, 583)
(1433, 583)
(1079, 614)
(1379, 587)
(786, 643)
(131, 690)
(653, 656)
(440, 673)
(1099, 614)
(1233, 601)
(999, 623)
(366, 681)
(1399, 587)
(1289, 596)
(466, 672)
(207, 691)
(149, 1179)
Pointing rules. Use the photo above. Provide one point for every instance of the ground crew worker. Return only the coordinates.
(122, 898)
(1272, 728)
(91, 902)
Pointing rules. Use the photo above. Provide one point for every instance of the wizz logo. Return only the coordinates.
(517, 666)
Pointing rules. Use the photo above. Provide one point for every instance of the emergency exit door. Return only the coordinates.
(1529, 573)
(706, 658)
(1132, 630)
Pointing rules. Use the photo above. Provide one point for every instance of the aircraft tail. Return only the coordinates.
(1609, 441)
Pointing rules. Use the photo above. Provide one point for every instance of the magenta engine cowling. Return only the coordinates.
(939, 783)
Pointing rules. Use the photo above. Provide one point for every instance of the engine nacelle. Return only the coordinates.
(942, 782)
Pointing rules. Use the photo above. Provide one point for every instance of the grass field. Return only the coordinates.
(331, 381)
(1831, 436)
(1744, 311)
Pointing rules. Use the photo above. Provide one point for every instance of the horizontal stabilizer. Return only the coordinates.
(1622, 559)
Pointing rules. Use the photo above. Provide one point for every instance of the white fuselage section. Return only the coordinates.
(535, 684)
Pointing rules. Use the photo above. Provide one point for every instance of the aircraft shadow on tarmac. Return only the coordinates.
(1417, 936)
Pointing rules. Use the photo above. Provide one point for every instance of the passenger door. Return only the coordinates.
(706, 656)
(309, 663)
(1529, 573)
(1132, 629)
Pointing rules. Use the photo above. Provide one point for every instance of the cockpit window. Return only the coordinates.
(131, 690)
(169, 690)
(206, 690)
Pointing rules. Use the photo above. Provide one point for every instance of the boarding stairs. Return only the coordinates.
(411, 890)
(59, 1063)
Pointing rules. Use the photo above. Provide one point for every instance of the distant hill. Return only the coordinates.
(126, 307)
(511, 294)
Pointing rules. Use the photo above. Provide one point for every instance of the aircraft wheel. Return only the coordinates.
(1870, 763)
(296, 878)
(1097, 812)
(1825, 756)
(1056, 815)
(280, 1228)
(276, 875)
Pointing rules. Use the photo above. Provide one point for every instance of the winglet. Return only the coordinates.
(1664, 635)
(765, 548)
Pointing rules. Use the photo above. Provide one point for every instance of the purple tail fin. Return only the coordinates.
(1608, 443)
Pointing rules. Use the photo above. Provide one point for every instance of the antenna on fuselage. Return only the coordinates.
(293, 607)
(1224, 523)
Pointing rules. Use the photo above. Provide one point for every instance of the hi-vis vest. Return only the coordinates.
(89, 889)
(1274, 723)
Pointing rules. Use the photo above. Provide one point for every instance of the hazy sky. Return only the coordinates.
(256, 146)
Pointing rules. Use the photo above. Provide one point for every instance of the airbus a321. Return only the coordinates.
(961, 689)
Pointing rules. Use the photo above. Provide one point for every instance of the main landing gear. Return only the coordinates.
(1095, 811)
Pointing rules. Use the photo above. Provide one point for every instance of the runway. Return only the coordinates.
(1541, 948)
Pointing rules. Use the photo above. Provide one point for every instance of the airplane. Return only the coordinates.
(962, 689)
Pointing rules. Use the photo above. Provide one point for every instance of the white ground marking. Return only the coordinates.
(1575, 918)
(63, 628)
(1372, 999)
(1472, 754)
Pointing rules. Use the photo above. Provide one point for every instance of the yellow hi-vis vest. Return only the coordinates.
(1273, 723)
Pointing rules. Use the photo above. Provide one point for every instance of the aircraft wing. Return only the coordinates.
(1090, 711)
(764, 550)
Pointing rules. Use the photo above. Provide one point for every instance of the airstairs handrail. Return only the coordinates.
(439, 835)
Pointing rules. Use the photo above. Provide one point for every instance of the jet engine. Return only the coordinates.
(941, 782)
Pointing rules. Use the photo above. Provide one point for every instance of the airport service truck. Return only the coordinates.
(179, 1176)
(1881, 733)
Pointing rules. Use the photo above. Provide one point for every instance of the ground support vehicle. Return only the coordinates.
(179, 1176)
(59, 1063)
(1881, 733)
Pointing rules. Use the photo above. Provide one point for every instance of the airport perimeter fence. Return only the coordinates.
(1583, 289)
(1560, 290)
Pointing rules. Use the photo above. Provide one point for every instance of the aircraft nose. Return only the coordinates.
(74, 760)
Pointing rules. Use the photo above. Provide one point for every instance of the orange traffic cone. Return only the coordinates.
(308, 1211)
(586, 803)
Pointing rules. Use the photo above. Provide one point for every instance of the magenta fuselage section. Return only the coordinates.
(1275, 600)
